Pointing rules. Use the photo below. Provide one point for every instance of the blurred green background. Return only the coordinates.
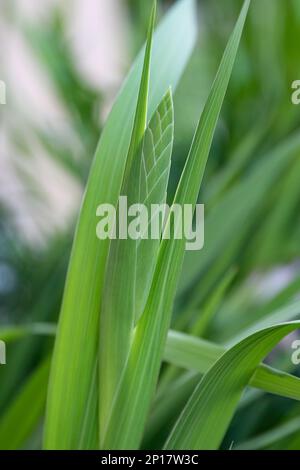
(63, 64)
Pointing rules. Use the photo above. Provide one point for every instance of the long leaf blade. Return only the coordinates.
(199, 355)
(127, 258)
(207, 415)
(138, 382)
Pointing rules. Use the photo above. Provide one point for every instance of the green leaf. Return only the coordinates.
(276, 227)
(78, 331)
(294, 443)
(146, 184)
(239, 159)
(237, 208)
(211, 306)
(140, 117)
(208, 413)
(153, 170)
(22, 415)
(10, 334)
(199, 355)
(138, 382)
(117, 312)
(278, 308)
(271, 437)
(191, 353)
(291, 311)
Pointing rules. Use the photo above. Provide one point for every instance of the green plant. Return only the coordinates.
(113, 338)
(129, 365)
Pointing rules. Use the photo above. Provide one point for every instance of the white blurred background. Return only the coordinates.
(97, 34)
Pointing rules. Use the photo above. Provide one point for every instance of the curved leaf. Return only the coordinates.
(208, 413)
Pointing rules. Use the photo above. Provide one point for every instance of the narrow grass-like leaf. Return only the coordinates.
(140, 375)
(146, 184)
(199, 355)
(78, 332)
(240, 157)
(275, 229)
(291, 311)
(152, 171)
(191, 353)
(271, 437)
(117, 310)
(10, 334)
(208, 413)
(281, 306)
(212, 304)
(22, 415)
(236, 209)
(294, 442)
(140, 117)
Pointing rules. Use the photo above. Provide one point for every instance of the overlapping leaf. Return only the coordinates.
(199, 355)
(131, 262)
(78, 332)
(139, 379)
(207, 415)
